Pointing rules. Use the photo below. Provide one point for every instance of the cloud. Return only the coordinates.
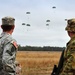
(38, 33)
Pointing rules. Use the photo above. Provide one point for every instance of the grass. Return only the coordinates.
(37, 62)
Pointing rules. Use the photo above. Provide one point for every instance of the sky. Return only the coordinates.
(38, 33)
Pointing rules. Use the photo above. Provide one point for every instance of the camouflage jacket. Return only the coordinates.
(69, 59)
(8, 49)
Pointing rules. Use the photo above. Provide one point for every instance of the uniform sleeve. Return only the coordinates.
(9, 55)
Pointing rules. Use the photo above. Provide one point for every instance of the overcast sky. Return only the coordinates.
(38, 33)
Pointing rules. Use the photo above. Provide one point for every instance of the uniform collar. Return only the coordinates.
(73, 38)
(4, 34)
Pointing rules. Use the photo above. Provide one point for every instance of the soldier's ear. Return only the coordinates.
(2, 26)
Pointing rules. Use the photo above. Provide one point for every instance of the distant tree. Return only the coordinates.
(44, 48)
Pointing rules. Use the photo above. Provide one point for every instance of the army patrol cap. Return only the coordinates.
(70, 25)
(8, 21)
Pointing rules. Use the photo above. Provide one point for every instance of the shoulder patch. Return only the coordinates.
(15, 44)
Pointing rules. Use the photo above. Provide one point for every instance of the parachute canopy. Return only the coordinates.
(28, 24)
(65, 19)
(47, 20)
(23, 23)
(27, 12)
(53, 7)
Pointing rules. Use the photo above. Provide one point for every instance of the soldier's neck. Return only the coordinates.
(8, 32)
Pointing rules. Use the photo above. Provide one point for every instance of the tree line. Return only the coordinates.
(36, 48)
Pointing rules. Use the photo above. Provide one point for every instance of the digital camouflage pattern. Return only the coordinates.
(69, 54)
(70, 25)
(8, 21)
(7, 54)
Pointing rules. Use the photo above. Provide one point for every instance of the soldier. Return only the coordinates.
(69, 54)
(8, 47)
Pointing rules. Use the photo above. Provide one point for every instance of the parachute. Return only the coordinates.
(65, 19)
(23, 23)
(47, 23)
(28, 24)
(27, 12)
(47, 20)
(28, 16)
(53, 7)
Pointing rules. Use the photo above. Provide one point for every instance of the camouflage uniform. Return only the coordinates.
(8, 49)
(69, 55)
